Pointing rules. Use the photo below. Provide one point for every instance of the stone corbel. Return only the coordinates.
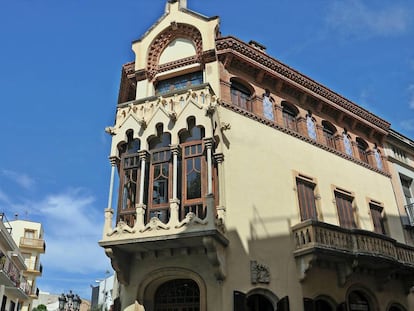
(216, 257)
(343, 271)
(304, 264)
(120, 262)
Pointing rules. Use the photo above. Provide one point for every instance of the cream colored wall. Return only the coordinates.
(260, 184)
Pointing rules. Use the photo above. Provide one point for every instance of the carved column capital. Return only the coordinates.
(114, 160)
(208, 142)
(143, 155)
(175, 149)
(219, 157)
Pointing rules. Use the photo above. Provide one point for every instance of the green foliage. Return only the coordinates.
(40, 307)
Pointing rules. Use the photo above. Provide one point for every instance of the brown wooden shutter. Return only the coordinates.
(306, 198)
(345, 210)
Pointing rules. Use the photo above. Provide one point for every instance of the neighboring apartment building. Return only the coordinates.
(101, 298)
(29, 236)
(14, 289)
(400, 152)
(246, 185)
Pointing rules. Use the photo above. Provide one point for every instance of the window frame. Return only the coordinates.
(346, 213)
(305, 206)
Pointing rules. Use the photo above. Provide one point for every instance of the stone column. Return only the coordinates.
(301, 126)
(109, 211)
(174, 201)
(221, 209)
(279, 115)
(208, 142)
(141, 207)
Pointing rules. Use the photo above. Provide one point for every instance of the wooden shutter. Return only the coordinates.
(283, 304)
(345, 210)
(306, 198)
(239, 301)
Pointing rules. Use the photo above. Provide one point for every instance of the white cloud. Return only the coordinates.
(21, 179)
(355, 18)
(73, 227)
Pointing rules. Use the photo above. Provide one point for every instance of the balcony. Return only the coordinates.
(321, 244)
(33, 267)
(9, 273)
(33, 244)
(35, 293)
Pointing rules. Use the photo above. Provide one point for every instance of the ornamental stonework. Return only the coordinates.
(176, 30)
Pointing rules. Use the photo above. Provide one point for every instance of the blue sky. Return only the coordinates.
(60, 64)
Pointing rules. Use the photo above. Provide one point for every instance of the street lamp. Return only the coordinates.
(69, 302)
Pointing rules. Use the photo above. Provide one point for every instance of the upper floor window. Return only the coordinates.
(377, 219)
(310, 125)
(378, 159)
(160, 176)
(194, 179)
(329, 134)
(345, 209)
(129, 174)
(347, 143)
(289, 113)
(179, 83)
(306, 196)
(240, 95)
(362, 149)
(29, 233)
(268, 106)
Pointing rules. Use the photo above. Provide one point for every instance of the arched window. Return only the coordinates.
(268, 106)
(362, 149)
(160, 181)
(240, 95)
(329, 134)
(378, 159)
(129, 174)
(347, 143)
(194, 179)
(310, 125)
(177, 295)
(258, 302)
(358, 301)
(289, 113)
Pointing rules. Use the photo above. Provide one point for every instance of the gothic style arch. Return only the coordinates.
(174, 31)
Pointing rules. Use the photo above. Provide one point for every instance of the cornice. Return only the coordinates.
(269, 123)
(231, 45)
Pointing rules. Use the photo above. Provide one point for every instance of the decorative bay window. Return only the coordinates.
(168, 181)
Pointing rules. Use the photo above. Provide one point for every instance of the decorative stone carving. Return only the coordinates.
(191, 219)
(259, 273)
(121, 228)
(225, 126)
(216, 256)
(174, 31)
(155, 224)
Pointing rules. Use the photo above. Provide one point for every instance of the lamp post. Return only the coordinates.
(69, 302)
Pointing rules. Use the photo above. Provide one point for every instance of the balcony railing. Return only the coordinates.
(10, 270)
(34, 266)
(38, 244)
(312, 236)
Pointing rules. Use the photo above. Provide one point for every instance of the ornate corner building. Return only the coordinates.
(242, 184)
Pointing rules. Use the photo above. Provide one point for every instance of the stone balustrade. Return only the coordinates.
(311, 235)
